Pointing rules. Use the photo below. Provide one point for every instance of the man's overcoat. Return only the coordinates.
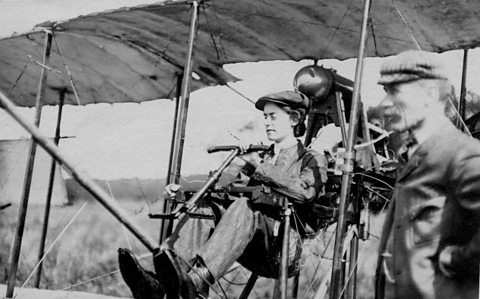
(436, 203)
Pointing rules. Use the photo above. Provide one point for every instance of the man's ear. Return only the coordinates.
(432, 92)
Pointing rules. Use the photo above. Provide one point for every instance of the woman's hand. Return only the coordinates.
(171, 190)
(252, 158)
(445, 260)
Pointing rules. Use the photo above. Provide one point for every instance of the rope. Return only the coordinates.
(54, 242)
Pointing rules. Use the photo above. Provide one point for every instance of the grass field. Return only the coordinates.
(85, 257)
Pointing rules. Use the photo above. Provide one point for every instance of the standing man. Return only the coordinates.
(430, 246)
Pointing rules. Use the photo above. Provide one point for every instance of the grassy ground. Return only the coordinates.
(85, 257)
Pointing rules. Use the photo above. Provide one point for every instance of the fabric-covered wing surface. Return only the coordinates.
(134, 54)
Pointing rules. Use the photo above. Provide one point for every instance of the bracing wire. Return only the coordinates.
(217, 51)
(54, 242)
(100, 276)
(69, 74)
(419, 48)
(376, 179)
(322, 257)
(191, 268)
(23, 70)
(239, 93)
(467, 131)
(406, 24)
(124, 230)
(337, 28)
(348, 279)
(19, 156)
(143, 195)
(212, 37)
(222, 49)
(92, 279)
(19, 76)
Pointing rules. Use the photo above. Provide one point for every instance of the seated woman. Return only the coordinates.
(248, 231)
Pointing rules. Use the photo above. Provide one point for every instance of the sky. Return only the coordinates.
(133, 140)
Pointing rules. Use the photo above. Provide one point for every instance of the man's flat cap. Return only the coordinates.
(293, 99)
(410, 66)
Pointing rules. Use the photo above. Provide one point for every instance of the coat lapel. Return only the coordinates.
(412, 163)
(424, 148)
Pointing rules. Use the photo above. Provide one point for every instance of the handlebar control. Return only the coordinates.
(226, 148)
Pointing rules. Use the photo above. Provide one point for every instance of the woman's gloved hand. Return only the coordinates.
(171, 190)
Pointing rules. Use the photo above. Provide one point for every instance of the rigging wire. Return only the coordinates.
(337, 28)
(212, 37)
(92, 279)
(218, 28)
(217, 50)
(101, 275)
(374, 178)
(191, 268)
(54, 242)
(239, 93)
(24, 68)
(124, 230)
(322, 257)
(69, 74)
(406, 24)
(19, 156)
(348, 279)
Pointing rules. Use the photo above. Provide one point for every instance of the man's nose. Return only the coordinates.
(386, 102)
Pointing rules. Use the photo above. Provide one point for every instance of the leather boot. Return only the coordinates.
(201, 278)
(142, 283)
(176, 282)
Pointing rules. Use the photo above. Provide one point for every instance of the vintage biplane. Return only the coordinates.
(173, 47)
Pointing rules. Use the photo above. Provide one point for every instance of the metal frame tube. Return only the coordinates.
(463, 91)
(167, 206)
(48, 201)
(22, 212)
(285, 247)
(180, 125)
(173, 175)
(336, 285)
(83, 179)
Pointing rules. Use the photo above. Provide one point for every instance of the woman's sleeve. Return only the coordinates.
(303, 187)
